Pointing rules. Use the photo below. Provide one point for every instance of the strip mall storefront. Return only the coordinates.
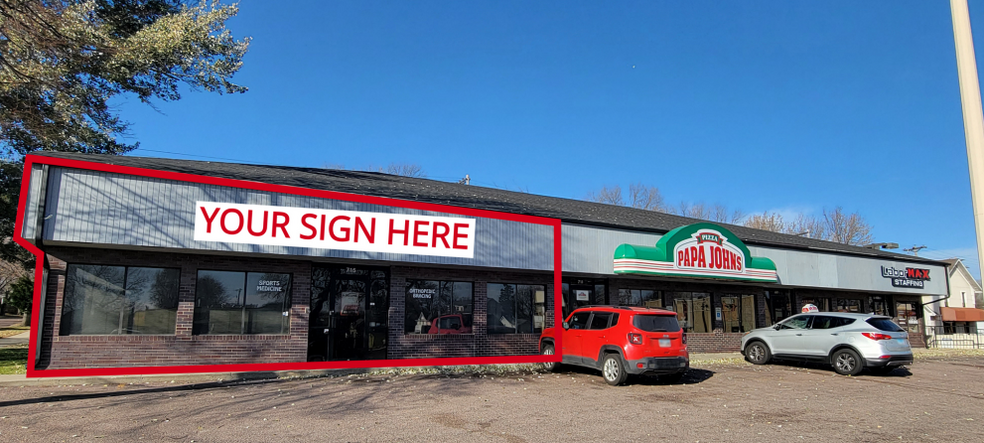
(154, 262)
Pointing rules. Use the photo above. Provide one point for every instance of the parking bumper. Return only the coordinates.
(658, 365)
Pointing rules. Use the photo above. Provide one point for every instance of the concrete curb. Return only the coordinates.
(235, 377)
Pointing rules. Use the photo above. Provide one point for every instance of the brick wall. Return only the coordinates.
(182, 348)
(476, 344)
(714, 342)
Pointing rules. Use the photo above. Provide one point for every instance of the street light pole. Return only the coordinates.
(970, 99)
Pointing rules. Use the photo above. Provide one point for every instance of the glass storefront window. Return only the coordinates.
(645, 298)
(877, 305)
(515, 308)
(738, 313)
(119, 300)
(778, 306)
(693, 310)
(848, 305)
(822, 304)
(438, 307)
(229, 302)
(582, 292)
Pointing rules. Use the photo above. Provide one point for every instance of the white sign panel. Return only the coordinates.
(333, 229)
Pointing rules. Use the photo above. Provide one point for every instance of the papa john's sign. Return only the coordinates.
(335, 229)
(698, 250)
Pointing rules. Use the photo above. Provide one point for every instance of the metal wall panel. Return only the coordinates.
(114, 209)
(823, 270)
(591, 250)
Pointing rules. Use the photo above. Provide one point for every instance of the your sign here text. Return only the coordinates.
(334, 229)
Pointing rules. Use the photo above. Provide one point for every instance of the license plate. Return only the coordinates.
(902, 341)
(664, 342)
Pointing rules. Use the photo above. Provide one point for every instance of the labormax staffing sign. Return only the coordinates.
(698, 250)
(334, 229)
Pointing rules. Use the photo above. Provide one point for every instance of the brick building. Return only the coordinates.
(160, 262)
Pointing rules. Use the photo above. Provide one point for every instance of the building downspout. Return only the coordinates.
(947, 292)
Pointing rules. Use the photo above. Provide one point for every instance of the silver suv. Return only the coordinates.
(848, 342)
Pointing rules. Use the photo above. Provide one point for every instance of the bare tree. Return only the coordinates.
(402, 169)
(849, 229)
(834, 225)
(809, 226)
(9, 273)
(646, 197)
(769, 221)
(406, 170)
(697, 210)
(610, 195)
(722, 214)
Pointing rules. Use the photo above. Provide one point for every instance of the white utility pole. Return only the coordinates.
(970, 98)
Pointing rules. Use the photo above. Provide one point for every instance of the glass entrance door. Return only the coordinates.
(348, 314)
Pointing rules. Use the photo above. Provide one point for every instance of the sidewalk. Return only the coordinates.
(19, 339)
(7, 321)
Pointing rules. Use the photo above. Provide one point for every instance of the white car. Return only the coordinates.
(848, 342)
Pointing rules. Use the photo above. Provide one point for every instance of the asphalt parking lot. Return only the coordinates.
(939, 399)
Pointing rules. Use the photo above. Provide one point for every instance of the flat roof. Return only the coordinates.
(477, 197)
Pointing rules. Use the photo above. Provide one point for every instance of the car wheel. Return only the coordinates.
(548, 349)
(613, 370)
(847, 362)
(758, 353)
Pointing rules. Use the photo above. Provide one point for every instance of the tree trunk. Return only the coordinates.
(27, 319)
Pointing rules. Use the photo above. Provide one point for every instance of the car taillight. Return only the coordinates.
(684, 337)
(876, 336)
(635, 339)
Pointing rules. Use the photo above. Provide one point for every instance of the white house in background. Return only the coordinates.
(958, 314)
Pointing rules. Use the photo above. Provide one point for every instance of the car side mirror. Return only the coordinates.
(777, 327)
(566, 326)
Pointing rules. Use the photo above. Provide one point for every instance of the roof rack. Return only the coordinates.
(627, 308)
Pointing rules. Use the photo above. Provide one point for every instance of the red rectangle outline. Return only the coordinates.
(31, 160)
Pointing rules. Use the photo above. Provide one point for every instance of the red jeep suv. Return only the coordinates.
(621, 340)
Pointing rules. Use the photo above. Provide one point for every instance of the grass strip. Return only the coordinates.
(13, 360)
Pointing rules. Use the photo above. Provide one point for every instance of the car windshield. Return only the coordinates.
(656, 323)
(884, 324)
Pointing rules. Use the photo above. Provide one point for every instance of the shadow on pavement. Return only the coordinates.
(177, 388)
(692, 376)
(895, 372)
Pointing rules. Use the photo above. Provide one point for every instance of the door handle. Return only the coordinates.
(799, 335)
(833, 333)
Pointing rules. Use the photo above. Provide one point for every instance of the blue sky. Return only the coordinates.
(779, 106)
